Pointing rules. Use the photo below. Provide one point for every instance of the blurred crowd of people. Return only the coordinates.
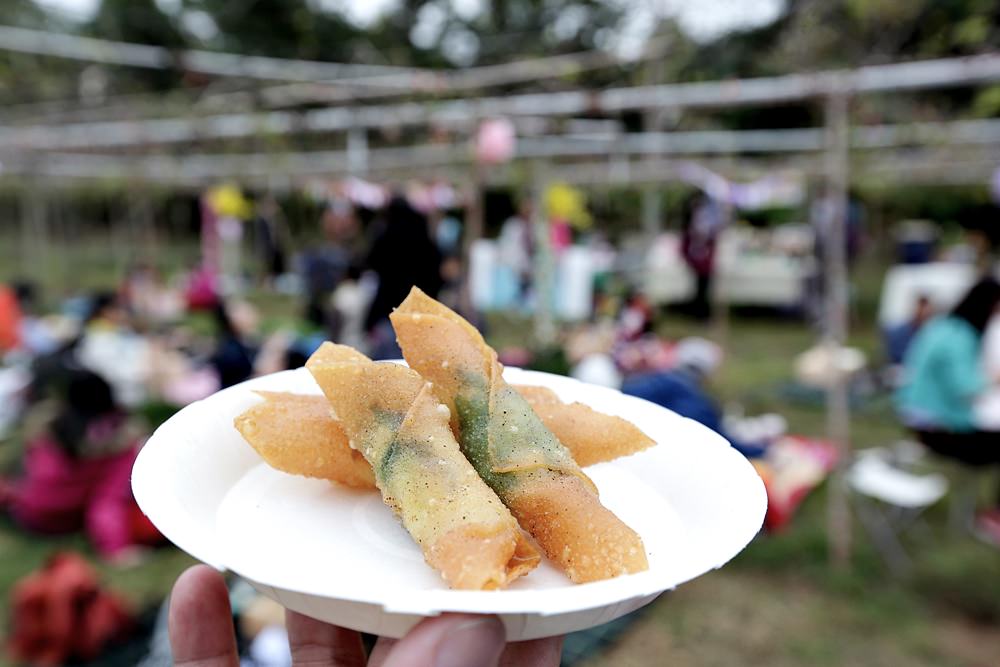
(84, 380)
(78, 382)
(82, 383)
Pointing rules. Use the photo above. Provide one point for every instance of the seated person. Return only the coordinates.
(899, 336)
(234, 356)
(636, 318)
(110, 346)
(682, 389)
(943, 377)
(77, 471)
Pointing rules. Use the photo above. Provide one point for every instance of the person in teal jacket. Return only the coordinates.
(942, 377)
(943, 372)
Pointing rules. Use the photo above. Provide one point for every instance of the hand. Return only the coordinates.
(201, 635)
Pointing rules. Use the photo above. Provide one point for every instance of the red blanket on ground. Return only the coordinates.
(60, 613)
(791, 468)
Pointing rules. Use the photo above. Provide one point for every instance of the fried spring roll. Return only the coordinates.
(393, 418)
(297, 434)
(510, 448)
(591, 436)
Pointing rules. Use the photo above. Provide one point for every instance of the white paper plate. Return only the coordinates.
(340, 555)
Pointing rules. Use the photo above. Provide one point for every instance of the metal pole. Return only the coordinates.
(58, 242)
(147, 224)
(719, 301)
(699, 95)
(357, 151)
(474, 225)
(652, 211)
(29, 261)
(543, 274)
(836, 302)
(42, 235)
(652, 195)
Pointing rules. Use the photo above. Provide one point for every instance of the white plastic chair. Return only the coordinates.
(890, 500)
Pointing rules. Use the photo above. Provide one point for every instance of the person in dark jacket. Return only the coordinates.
(233, 356)
(402, 255)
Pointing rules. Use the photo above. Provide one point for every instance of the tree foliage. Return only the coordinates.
(811, 35)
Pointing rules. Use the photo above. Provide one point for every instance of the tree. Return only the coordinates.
(279, 28)
(138, 22)
(25, 77)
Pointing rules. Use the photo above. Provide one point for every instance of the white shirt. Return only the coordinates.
(987, 409)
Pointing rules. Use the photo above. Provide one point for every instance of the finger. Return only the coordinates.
(535, 653)
(450, 640)
(200, 621)
(381, 651)
(317, 644)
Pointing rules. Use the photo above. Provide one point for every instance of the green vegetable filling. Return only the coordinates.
(473, 407)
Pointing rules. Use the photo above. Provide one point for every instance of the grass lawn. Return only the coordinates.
(778, 603)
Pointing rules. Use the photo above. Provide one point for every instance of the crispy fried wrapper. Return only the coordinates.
(392, 417)
(296, 433)
(510, 447)
(590, 436)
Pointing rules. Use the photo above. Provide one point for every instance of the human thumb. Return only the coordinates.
(450, 640)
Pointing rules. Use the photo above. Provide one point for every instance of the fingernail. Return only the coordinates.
(474, 643)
